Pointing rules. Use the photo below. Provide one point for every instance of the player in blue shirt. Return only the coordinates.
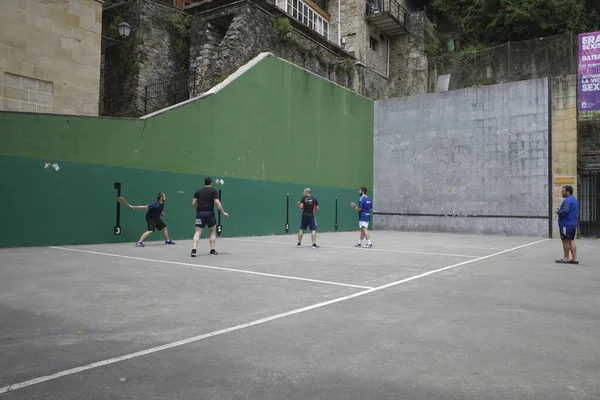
(568, 214)
(364, 208)
(153, 214)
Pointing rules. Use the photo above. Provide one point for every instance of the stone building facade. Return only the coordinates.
(50, 56)
(147, 73)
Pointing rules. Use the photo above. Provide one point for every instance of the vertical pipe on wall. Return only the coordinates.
(550, 181)
(387, 67)
(339, 5)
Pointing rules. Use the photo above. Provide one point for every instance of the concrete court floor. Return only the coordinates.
(265, 320)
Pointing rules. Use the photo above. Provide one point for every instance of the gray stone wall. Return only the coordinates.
(408, 60)
(225, 39)
(589, 145)
(146, 58)
(453, 160)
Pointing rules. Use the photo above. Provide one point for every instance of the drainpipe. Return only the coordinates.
(339, 4)
(387, 38)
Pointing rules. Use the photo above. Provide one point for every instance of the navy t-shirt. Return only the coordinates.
(154, 210)
(309, 205)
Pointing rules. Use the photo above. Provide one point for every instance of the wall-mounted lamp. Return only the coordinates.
(124, 31)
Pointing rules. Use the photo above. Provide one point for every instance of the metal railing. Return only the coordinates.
(392, 7)
(165, 93)
(589, 203)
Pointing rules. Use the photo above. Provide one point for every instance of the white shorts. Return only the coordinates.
(363, 224)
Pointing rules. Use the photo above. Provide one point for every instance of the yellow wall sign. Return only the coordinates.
(564, 179)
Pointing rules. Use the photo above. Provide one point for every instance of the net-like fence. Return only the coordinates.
(164, 93)
(509, 62)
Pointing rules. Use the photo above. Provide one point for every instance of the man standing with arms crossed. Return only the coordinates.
(364, 208)
(204, 204)
(309, 205)
(568, 214)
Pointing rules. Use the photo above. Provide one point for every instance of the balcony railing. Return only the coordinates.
(388, 15)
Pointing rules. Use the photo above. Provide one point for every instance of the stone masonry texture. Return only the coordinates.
(479, 152)
(51, 43)
(150, 49)
(564, 139)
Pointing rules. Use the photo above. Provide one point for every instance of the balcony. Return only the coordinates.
(387, 15)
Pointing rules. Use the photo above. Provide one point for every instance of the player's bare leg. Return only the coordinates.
(213, 240)
(196, 240)
(365, 234)
(573, 248)
(566, 249)
(165, 232)
(300, 234)
(362, 236)
(145, 235)
(313, 236)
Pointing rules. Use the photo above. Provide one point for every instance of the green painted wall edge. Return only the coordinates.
(272, 122)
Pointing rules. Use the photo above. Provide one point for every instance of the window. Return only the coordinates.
(305, 14)
(373, 43)
(282, 4)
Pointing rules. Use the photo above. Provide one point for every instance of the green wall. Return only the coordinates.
(274, 130)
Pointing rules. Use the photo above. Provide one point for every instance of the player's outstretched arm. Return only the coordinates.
(139, 207)
(220, 207)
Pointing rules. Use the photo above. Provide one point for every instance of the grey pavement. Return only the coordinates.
(511, 326)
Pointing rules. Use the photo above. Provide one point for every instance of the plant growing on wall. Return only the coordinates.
(345, 67)
(121, 69)
(179, 32)
(283, 29)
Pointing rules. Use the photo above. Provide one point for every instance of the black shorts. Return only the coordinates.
(568, 233)
(155, 224)
(205, 218)
(308, 221)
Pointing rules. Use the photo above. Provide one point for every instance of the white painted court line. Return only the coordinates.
(167, 346)
(296, 278)
(357, 248)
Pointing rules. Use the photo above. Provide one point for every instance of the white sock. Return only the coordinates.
(369, 241)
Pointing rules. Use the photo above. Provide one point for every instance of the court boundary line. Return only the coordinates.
(31, 382)
(297, 278)
(356, 248)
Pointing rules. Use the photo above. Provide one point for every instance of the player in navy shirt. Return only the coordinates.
(309, 206)
(364, 208)
(153, 214)
(568, 214)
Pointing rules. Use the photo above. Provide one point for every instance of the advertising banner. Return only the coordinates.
(589, 72)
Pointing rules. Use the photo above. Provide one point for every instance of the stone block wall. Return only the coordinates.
(50, 56)
(225, 39)
(408, 71)
(146, 59)
(408, 59)
(589, 145)
(27, 94)
(469, 161)
(564, 139)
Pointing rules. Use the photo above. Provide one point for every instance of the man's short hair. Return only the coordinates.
(159, 195)
(207, 181)
(568, 189)
(307, 190)
(364, 189)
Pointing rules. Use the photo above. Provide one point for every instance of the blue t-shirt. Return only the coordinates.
(154, 210)
(365, 206)
(568, 212)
